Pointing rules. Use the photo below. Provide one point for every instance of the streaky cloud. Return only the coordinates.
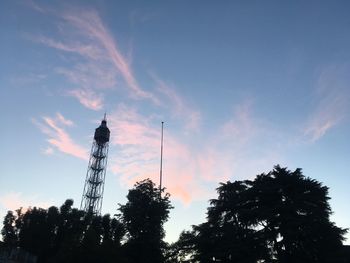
(88, 98)
(177, 105)
(58, 136)
(15, 200)
(189, 165)
(90, 25)
(333, 96)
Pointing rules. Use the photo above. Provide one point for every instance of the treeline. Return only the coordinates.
(281, 216)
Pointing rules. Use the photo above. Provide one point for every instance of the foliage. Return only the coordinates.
(281, 216)
(143, 216)
(67, 234)
(64, 235)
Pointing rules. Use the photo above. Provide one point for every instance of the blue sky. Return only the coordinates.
(240, 85)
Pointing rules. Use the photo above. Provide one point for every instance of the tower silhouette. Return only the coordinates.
(91, 201)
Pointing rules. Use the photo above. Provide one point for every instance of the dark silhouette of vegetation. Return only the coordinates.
(64, 235)
(70, 235)
(144, 216)
(281, 216)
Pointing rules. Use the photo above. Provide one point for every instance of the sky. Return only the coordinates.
(240, 85)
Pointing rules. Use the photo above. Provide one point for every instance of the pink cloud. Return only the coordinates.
(188, 165)
(101, 62)
(35, 6)
(88, 98)
(138, 141)
(332, 96)
(177, 105)
(90, 25)
(48, 151)
(90, 75)
(86, 50)
(59, 138)
(12, 201)
(319, 126)
(63, 120)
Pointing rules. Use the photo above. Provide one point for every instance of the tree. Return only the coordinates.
(64, 235)
(8, 231)
(281, 216)
(143, 216)
(293, 211)
(226, 236)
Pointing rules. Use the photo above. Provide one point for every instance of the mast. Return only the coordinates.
(161, 162)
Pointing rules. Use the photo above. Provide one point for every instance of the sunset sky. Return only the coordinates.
(241, 86)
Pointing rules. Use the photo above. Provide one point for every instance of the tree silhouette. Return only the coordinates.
(144, 215)
(293, 211)
(64, 235)
(281, 216)
(227, 235)
(8, 231)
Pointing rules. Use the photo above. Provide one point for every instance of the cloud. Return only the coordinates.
(88, 98)
(193, 160)
(89, 24)
(59, 138)
(63, 120)
(48, 151)
(99, 61)
(15, 200)
(332, 101)
(35, 6)
(85, 50)
(190, 166)
(137, 139)
(178, 107)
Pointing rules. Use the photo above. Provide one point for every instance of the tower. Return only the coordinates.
(91, 201)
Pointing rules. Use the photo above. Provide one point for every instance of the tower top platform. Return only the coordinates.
(102, 133)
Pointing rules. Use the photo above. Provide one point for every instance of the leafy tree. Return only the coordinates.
(293, 211)
(184, 250)
(281, 216)
(64, 235)
(227, 235)
(144, 216)
(8, 231)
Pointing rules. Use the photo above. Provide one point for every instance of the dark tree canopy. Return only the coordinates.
(67, 234)
(281, 216)
(143, 216)
(64, 235)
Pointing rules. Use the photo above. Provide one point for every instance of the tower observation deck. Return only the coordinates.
(91, 201)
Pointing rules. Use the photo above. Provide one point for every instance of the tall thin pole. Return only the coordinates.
(161, 163)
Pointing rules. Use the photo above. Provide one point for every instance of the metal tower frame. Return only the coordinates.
(91, 201)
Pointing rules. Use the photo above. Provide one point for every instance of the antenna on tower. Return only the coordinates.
(161, 163)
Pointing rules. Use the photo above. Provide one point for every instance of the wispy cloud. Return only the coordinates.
(176, 104)
(15, 200)
(100, 61)
(88, 98)
(90, 25)
(138, 141)
(32, 4)
(48, 151)
(63, 120)
(59, 138)
(332, 96)
(189, 165)
(85, 50)
(191, 159)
